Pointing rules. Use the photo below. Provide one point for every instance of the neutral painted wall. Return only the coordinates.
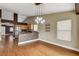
(78, 31)
(52, 19)
(0, 31)
(21, 18)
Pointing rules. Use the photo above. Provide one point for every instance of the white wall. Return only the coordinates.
(21, 18)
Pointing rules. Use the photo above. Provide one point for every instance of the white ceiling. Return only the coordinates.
(29, 9)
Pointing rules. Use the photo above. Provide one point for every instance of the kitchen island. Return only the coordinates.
(24, 37)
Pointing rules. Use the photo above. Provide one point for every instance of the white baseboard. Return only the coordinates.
(30, 41)
(60, 45)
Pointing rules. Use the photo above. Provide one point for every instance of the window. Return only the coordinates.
(2, 30)
(11, 29)
(64, 30)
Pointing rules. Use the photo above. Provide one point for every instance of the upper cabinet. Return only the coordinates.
(77, 8)
(7, 15)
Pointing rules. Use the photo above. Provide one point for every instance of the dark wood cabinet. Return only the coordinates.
(77, 8)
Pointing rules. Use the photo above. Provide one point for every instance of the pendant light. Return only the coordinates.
(39, 19)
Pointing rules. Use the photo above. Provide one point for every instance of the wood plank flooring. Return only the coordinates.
(37, 49)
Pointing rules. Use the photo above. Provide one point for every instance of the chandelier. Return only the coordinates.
(39, 19)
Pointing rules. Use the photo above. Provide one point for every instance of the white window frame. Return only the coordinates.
(63, 30)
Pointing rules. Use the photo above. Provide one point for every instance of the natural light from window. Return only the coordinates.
(64, 30)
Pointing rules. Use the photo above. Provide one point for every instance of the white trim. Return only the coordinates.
(25, 42)
(75, 49)
(30, 41)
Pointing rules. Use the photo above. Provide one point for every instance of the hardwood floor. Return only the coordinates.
(36, 49)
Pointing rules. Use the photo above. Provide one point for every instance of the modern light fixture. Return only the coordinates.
(39, 19)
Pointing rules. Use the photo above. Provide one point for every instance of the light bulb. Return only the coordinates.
(37, 17)
(37, 22)
(40, 18)
(43, 21)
